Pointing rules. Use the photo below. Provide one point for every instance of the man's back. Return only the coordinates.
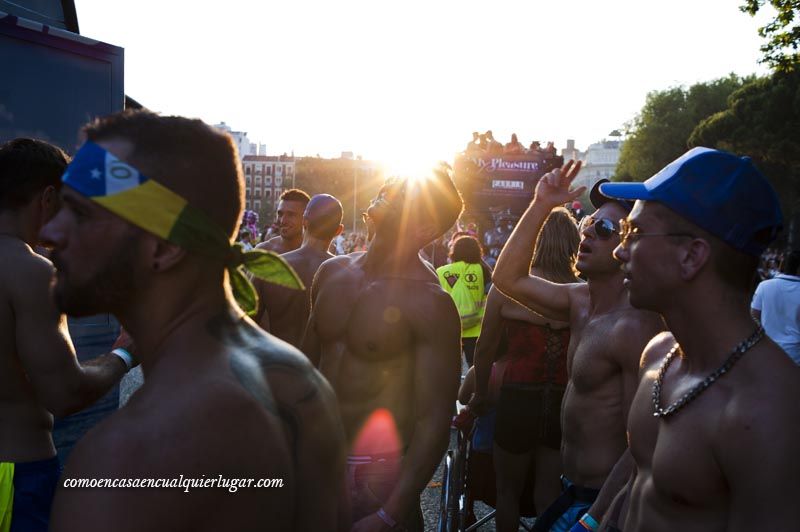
(778, 300)
(25, 424)
(228, 426)
(704, 472)
(285, 311)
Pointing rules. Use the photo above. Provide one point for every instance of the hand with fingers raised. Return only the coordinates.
(554, 189)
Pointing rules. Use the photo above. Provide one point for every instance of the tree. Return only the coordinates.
(783, 33)
(661, 131)
(762, 120)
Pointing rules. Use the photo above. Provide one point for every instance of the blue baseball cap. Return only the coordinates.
(722, 193)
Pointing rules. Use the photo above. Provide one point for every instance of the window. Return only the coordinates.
(278, 181)
(257, 193)
(267, 180)
(257, 205)
(247, 180)
(268, 193)
(258, 180)
(247, 169)
(247, 193)
(269, 170)
(247, 204)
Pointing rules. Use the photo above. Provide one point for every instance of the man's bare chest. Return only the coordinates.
(677, 450)
(590, 357)
(371, 318)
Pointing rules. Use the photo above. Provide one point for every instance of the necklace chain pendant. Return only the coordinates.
(700, 387)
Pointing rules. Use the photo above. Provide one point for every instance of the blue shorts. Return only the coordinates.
(34, 487)
(567, 509)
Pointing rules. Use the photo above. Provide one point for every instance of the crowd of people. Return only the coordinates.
(618, 366)
(485, 143)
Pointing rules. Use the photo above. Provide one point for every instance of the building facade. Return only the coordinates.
(599, 162)
(265, 179)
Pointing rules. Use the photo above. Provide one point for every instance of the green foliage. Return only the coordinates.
(762, 121)
(661, 131)
(782, 33)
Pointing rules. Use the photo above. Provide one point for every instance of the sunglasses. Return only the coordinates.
(629, 233)
(604, 228)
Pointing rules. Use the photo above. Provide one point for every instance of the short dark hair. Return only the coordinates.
(295, 194)
(28, 166)
(189, 157)
(466, 248)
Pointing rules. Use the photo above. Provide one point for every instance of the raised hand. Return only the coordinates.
(553, 189)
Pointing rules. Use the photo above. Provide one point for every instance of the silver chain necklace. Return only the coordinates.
(698, 388)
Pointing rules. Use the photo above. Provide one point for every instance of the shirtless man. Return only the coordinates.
(388, 338)
(607, 336)
(221, 397)
(714, 434)
(290, 222)
(283, 311)
(39, 373)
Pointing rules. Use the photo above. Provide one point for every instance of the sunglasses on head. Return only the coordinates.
(604, 228)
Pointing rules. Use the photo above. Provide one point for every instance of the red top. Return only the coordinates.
(537, 354)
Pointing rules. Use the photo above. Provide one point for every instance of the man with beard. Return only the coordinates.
(283, 311)
(151, 207)
(290, 222)
(387, 337)
(39, 373)
(607, 337)
(714, 425)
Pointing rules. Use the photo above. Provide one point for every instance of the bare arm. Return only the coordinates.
(757, 451)
(311, 345)
(511, 274)
(486, 348)
(62, 384)
(437, 370)
(616, 482)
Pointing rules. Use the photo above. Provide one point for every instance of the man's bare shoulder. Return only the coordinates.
(634, 329)
(21, 263)
(758, 425)
(341, 264)
(217, 421)
(273, 244)
(656, 349)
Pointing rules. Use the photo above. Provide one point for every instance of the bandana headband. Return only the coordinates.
(119, 187)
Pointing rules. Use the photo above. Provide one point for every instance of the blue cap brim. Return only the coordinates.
(625, 191)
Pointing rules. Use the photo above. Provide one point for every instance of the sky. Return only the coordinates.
(407, 82)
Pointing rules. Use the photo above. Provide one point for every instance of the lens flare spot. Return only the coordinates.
(392, 314)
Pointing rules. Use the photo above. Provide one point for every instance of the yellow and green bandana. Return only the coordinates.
(122, 189)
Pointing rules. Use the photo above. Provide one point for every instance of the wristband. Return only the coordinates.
(588, 522)
(125, 356)
(386, 518)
